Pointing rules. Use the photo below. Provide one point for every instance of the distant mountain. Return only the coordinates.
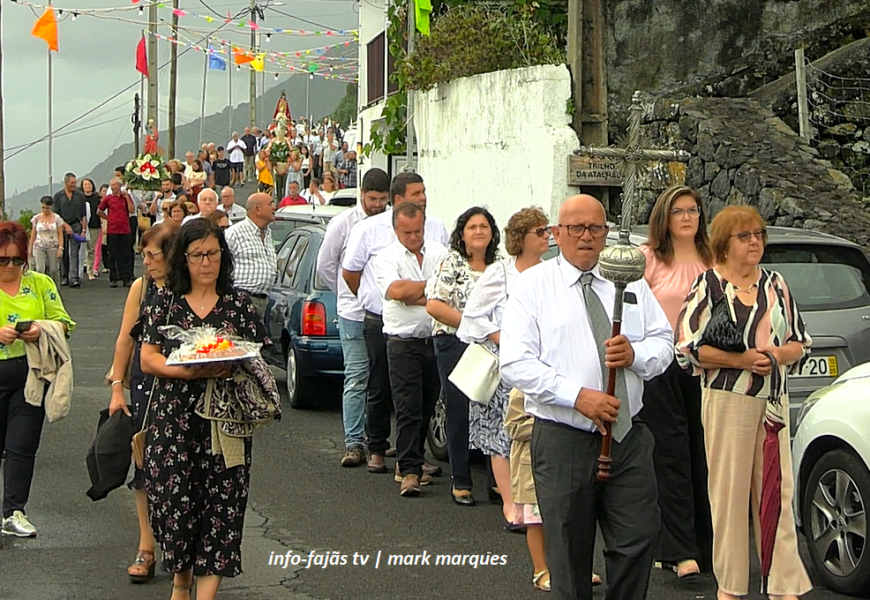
(324, 97)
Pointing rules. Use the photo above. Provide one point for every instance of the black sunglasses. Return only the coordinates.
(15, 260)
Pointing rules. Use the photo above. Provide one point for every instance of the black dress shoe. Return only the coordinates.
(465, 499)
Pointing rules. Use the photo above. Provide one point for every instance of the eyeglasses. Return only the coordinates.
(540, 231)
(577, 231)
(15, 260)
(197, 257)
(151, 255)
(745, 236)
(693, 212)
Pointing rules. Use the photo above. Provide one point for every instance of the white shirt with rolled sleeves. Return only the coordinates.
(255, 261)
(548, 350)
(236, 151)
(329, 258)
(369, 238)
(395, 263)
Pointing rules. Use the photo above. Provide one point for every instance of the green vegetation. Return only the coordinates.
(25, 216)
(346, 111)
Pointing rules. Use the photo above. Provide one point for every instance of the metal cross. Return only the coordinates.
(632, 157)
(623, 263)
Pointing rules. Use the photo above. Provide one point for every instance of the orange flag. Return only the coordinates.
(46, 28)
(241, 56)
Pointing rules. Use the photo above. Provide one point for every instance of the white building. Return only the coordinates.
(376, 64)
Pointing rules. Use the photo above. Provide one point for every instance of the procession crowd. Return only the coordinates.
(73, 235)
(708, 337)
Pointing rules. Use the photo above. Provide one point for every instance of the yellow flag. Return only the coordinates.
(259, 64)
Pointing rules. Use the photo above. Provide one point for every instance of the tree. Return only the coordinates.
(346, 111)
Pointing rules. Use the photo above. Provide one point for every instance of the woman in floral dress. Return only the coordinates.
(197, 504)
(473, 247)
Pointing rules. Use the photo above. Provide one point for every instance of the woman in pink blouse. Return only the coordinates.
(677, 252)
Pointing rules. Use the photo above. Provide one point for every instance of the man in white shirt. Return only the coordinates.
(253, 251)
(554, 338)
(367, 239)
(236, 153)
(228, 204)
(375, 195)
(401, 272)
(207, 200)
(162, 200)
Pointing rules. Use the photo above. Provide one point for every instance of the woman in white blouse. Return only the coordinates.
(527, 238)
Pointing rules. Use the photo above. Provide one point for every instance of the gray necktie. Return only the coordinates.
(602, 328)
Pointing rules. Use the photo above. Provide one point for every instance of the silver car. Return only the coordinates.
(830, 280)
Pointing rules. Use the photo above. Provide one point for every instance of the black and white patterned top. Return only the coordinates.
(452, 284)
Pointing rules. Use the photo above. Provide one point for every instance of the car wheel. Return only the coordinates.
(298, 387)
(437, 436)
(835, 521)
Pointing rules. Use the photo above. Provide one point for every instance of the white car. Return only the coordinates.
(831, 455)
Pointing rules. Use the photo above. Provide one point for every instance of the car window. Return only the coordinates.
(281, 228)
(290, 278)
(822, 277)
(284, 254)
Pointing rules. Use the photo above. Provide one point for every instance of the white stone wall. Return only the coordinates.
(500, 140)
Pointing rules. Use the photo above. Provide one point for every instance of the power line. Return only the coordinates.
(116, 95)
(304, 20)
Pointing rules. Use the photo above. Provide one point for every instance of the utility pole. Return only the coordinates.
(173, 79)
(252, 101)
(136, 123)
(409, 110)
(2, 145)
(587, 55)
(152, 65)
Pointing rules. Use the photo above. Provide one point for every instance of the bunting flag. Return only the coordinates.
(142, 58)
(215, 62)
(422, 10)
(241, 56)
(259, 63)
(45, 28)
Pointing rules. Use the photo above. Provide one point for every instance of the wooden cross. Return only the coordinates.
(632, 158)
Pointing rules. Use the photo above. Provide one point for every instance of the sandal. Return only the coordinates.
(687, 570)
(541, 581)
(142, 569)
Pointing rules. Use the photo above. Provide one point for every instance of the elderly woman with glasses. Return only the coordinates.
(740, 330)
(26, 298)
(197, 495)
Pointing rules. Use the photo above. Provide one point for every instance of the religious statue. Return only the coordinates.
(282, 108)
(279, 153)
(152, 137)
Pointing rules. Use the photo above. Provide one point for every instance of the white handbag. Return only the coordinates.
(476, 374)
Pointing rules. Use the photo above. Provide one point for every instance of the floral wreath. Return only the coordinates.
(145, 173)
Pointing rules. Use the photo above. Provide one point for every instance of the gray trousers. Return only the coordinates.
(47, 262)
(572, 501)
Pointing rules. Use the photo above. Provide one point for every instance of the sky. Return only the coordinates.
(96, 59)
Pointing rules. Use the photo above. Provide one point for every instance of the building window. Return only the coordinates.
(375, 68)
(375, 52)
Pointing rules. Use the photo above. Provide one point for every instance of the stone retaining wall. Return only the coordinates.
(743, 153)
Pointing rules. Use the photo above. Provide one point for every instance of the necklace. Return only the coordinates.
(752, 287)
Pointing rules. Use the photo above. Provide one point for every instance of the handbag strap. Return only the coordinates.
(154, 381)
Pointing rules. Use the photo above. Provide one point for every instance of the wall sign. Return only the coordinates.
(585, 170)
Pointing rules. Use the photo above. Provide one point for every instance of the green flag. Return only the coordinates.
(422, 10)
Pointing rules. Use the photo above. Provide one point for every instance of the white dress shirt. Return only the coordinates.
(254, 254)
(189, 218)
(395, 263)
(235, 211)
(483, 312)
(548, 350)
(329, 262)
(370, 237)
(236, 151)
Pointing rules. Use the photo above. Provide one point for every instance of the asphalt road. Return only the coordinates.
(301, 502)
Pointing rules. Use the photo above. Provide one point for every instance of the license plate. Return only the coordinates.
(820, 366)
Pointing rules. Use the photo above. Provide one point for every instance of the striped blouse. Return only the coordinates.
(774, 320)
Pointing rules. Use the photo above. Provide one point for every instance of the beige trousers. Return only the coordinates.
(734, 436)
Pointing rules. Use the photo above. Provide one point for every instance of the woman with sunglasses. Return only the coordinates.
(156, 243)
(740, 330)
(196, 500)
(25, 297)
(677, 251)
